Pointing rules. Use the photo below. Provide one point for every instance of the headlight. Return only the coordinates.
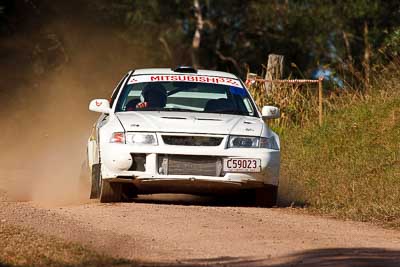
(252, 142)
(141, 139)
(243, 141)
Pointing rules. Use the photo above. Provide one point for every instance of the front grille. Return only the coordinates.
(192, 140)
(189, 165)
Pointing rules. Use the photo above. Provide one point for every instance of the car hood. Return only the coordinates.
(178, 122)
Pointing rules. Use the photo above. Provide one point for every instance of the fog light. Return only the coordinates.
(121, 163)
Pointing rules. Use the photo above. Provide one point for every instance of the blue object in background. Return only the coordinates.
(328, 76)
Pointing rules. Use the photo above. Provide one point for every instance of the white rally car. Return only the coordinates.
(182, 131)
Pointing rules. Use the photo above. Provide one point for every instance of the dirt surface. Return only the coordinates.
(185, 230)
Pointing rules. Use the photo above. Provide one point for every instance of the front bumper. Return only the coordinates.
(151, 177)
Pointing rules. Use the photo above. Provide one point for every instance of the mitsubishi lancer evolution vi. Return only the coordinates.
(182, 131)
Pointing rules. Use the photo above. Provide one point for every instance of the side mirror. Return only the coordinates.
(100, 105)
(270, 112)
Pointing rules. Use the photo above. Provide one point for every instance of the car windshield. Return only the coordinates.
(225, 97)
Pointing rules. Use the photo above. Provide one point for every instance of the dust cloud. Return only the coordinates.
(44, 140)
(50, 74)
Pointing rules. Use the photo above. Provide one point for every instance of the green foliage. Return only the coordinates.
(392, 44)
(238, 35)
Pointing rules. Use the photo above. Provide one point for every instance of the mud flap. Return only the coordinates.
(96, 181)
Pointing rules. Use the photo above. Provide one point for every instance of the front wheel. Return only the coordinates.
(103, 189)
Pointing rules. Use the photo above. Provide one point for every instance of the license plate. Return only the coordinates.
(241, 165)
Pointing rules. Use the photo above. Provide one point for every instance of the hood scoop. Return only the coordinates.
(183, 118)
(174, 118)
(207, 119)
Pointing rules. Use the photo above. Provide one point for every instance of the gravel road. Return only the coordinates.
(193, 231)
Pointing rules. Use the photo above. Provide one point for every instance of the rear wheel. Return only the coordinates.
(110, 192)
(266, 196)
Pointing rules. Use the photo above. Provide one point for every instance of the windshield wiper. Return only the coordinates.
(179, 109)
(148, 109)
(166, 109)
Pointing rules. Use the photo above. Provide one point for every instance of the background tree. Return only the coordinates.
(348, 37)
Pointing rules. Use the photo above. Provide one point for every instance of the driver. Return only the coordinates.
(153, 95)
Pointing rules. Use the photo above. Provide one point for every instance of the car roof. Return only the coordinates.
(167, 71)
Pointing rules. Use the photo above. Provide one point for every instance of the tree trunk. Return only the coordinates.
(197, 34)
(367, 56)
(274, 70)
(350, 61)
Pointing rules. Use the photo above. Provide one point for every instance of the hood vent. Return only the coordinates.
(207, 119)
(174, 118)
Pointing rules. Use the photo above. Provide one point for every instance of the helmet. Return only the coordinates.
(155, 94)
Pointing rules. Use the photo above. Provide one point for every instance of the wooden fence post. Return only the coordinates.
(320, 95)
(274, 70)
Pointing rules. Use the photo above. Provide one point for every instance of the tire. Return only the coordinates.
(110, 192)
(96, 181)
(266, 196)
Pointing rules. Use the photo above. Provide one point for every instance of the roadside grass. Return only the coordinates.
(349, 167)
(23, 247)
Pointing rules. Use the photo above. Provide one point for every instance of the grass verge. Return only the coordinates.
(349, 167)
(23, 247)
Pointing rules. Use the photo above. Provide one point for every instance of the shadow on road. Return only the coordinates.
(231, 200)
(333, 257)
(193, 200)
